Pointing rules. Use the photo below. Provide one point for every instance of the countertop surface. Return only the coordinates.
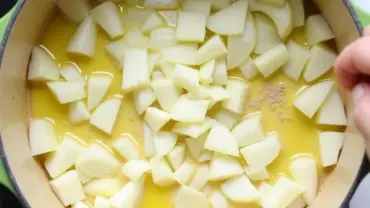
(362, 8)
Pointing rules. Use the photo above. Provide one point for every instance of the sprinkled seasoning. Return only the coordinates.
(273, 95)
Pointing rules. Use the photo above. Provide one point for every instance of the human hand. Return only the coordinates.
(353, 71)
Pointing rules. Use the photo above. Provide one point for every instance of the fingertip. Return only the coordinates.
(360, 56)
(353, 61)
(343, 68)
(362, 114)
(366, 31)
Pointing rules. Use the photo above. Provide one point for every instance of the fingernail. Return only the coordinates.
(358, 93)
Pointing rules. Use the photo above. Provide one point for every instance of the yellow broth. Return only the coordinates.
(297, 134)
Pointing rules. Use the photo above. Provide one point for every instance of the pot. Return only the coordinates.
(29, 178)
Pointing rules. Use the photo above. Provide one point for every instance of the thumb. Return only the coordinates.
(361, 99)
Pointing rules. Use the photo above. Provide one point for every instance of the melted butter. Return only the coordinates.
(298, 136)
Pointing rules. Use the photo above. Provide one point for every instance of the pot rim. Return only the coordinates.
(22, 198)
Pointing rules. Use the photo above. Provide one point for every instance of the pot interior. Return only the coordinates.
(30, 179)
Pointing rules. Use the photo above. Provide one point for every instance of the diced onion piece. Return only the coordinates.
(229, 21)
(219, 75)
(318, 30)
(67, 92)
(282, 16)
(106, 187)
(129, 195)
(264, 190)
(136, 17)
(161, 38)
(224, 167)
(206, 72)
(311, 99)
(80, 204)
(298, 12)
(299, 56)
(193, 130)
(200, 178)
(117, 50)
(156, 118)
(191, 27)
(240, 47)
(125, 147)
(218, 200)
(134, 169)
(135, 70)
(240, 190)
(66, 155)
(267, 36)
(197, 6)
(153, 21)
(257, 173)
(108, 17)
(168, 69)
(143, 99)
(298, 203)
(42, 66)
(43, 138)
(68, 188)
(304, 173)
(162, 174)
(186, 77)
(221, 4)
(270, 61)
(82, 176)
(71, 73)
(277, 3)
(75, 10)
(221, 140)
(262, 153)
(84, 40)
(249, 130)
(320, 62)
(216, 94)
(156, 75)
(249, 68)
(332, 112)
(167, 93)
(100, 202)
(205, 156)
(181, 54)
(164, 142)
(238, 90)
(136, 39)
(330, 145)
(184, 173)
(97, 162)
(160, 4)
(283, 193)
(170, 17)
(105, 115)
(176, 156)
(98, 85)
(188, 110)
(149, 148)
(188, 197)
(78, 112)
(213, 48)
(196, 146)
(226, 118)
